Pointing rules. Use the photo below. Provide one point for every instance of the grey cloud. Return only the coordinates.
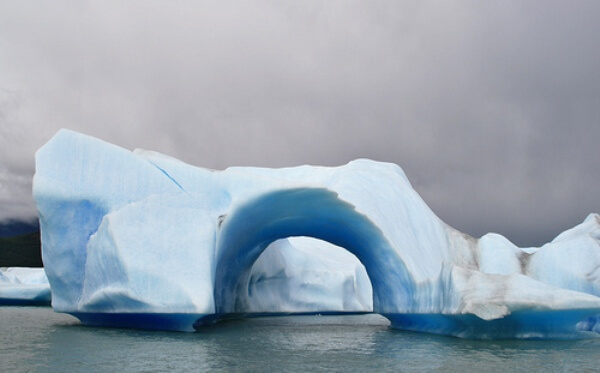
(490, 107)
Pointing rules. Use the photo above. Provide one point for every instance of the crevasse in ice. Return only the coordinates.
(140, 239)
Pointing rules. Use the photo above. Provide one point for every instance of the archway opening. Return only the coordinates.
(308, 275)
(312, 212)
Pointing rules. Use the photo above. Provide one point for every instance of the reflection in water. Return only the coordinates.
(37, 339)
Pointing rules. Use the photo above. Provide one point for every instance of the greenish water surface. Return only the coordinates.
(35, 339)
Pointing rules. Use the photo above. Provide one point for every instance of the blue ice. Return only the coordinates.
(144, 240)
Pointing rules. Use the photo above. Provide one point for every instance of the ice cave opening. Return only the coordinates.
(319, 213)
(308, 275)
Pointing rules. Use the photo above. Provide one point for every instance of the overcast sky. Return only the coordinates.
(491, 107)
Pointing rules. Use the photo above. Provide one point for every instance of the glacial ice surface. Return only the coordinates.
(23, 286)
(140, 239)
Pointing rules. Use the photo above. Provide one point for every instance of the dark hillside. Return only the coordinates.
(21, 251)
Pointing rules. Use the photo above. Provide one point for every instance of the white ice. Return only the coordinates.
(21, 285)
(301, 274)
(141, 239)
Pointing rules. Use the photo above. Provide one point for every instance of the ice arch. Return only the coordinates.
(313, 212)
(140, 239)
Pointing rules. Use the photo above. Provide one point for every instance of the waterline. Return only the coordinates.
(37, 339)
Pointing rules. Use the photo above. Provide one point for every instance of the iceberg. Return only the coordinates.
(24, 286)
(304, 275)
(140, 239)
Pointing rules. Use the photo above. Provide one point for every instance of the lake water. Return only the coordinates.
(36, 339)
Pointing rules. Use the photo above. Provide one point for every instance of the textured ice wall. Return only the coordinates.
(141, 239)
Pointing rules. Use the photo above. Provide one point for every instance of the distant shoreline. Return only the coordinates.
(21, 251)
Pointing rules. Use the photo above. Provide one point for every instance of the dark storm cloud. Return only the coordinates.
(492, 108)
